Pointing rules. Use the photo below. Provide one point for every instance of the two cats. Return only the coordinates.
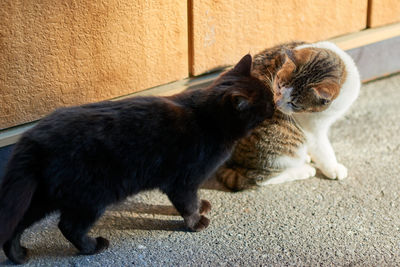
(313, 85)
(81, 159)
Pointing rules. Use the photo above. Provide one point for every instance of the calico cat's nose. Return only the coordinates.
(279, 102)
(277, 98)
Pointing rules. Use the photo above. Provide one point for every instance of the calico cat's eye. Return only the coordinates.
(227, 83)
(325, 101)
(294, 106)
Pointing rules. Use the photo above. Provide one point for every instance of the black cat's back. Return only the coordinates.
(106, 143)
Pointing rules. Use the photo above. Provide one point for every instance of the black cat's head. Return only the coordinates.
(247, 98)
(308, 81)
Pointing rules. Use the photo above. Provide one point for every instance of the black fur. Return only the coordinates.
(81, 159)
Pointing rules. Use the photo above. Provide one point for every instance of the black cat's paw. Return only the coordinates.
(201, 224)
(18, 255)
(205, 207)
(94, 248)
(102, 244)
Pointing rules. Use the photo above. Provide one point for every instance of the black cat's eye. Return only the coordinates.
(227, 83)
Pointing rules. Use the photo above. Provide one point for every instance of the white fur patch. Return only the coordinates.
(302, 172)
(285, 162)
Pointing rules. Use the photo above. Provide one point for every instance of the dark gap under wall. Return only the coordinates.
(377, 59)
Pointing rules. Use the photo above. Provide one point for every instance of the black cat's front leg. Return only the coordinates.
(191, 209)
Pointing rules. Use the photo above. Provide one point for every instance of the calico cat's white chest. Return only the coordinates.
(285, 161)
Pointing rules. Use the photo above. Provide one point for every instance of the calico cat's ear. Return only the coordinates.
(243, 67)
(239, 101)
(289, 56)
(289, 61)
(326, 93)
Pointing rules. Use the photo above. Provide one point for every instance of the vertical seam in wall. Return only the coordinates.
(369, 12)
(190, 36)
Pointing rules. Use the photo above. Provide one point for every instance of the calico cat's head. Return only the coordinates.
(244, 96)
(308, 81)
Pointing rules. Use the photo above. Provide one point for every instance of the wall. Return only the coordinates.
(383, 12)
(223, 31)
(60, 53)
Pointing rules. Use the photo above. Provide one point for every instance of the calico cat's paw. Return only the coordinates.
(305, 172)
(205, 207)
(336, 172)
(292, 174)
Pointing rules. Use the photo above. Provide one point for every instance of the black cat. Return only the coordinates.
(81, 159)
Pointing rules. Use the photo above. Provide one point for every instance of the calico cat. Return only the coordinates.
(81, 159)
(313, 85)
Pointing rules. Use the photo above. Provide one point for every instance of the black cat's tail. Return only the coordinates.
(16, 190)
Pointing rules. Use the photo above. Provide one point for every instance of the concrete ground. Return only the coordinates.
(354, 222)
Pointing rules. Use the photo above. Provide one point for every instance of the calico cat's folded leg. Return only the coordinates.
(292, 174)
(75, 224)
(233, 178)
(191, 209)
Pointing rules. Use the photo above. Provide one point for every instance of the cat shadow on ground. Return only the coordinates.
(143, 216)
(117, 222)
(213, 184)
(128, 215)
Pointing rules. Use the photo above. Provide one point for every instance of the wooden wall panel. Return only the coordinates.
(383, 12)
(223, 31)
(59, 53)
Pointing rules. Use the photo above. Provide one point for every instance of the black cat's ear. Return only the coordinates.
(239, 101)
(243, 67)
